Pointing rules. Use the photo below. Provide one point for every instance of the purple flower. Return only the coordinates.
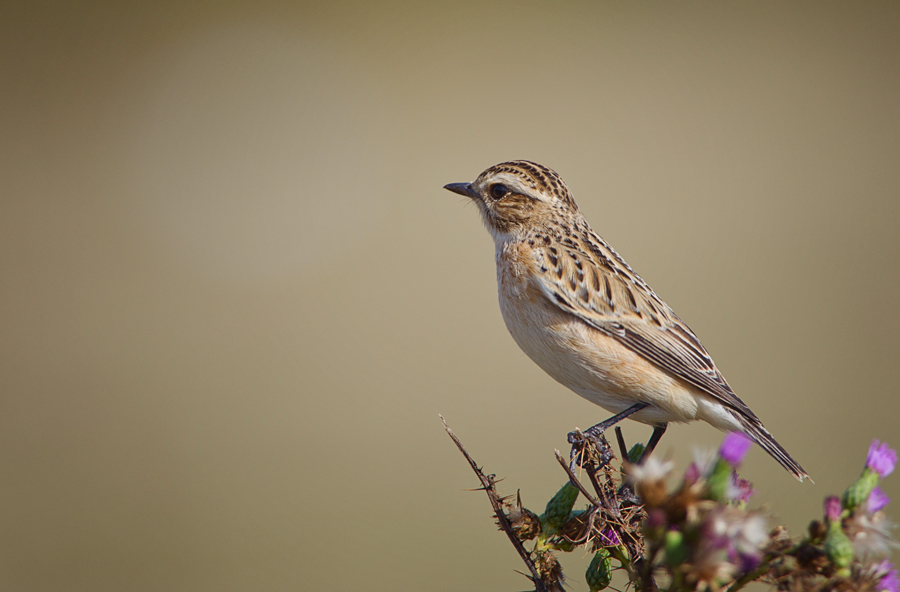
(740, 489)
(749, 562)
(891, 581)
(735, 446)
(692, 474)
(881, 458)
(878, 499)
(609, 538)
(885, 575)
(656, 518)
(832, 508)
(744, 563)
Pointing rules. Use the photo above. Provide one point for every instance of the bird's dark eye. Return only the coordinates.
(499, 190)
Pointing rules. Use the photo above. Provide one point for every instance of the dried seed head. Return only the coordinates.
(525, 524)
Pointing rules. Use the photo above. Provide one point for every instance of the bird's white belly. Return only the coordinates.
(599, 368)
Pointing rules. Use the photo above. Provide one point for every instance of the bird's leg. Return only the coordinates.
(623, 449)
(658, 432)
(578, 439)
(601, 427)
(626, 491)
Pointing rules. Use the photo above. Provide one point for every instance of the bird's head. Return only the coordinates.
(516, 195)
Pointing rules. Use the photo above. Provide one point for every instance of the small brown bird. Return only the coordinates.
(583, 315)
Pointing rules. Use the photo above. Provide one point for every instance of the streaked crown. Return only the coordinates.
(515, 194)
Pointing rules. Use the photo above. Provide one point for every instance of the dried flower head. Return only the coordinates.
(548, 567)
(709, 566)
(704, 461)
(650, 479)
(870, 534)
(652, 470)
(740, 533)
(525, 524)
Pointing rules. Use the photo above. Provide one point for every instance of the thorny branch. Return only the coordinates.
(623, 519)
(698, 536)
(487, 484)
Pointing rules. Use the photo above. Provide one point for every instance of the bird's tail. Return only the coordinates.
(761, 436)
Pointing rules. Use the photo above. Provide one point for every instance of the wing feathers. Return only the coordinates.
(593, 283)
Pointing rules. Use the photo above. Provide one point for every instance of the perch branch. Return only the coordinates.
(487, 483)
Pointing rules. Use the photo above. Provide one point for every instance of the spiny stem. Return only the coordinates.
(487, 483)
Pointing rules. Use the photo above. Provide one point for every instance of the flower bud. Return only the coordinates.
(720, 481)
(559, 508)
(838, 547)
(832, 509)
(599, 572)
(676, 552)
(858, 492)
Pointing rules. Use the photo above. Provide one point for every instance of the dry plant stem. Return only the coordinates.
(592, 475)
(750, 576)
(574, 481)
(487, 483)
(610, 500)
(594, 462)
(591, 450)
(645, 567)
(634, 545)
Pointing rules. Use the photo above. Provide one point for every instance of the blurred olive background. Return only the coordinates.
(235, 296)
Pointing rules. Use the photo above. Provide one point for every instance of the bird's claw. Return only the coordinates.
(588, 446)
(575, 437)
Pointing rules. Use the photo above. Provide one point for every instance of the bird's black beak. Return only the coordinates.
(462, 189)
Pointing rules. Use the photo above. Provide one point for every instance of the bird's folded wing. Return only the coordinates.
(618, 303)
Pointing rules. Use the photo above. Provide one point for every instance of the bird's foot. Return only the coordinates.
(581, 441)
(589, 447)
